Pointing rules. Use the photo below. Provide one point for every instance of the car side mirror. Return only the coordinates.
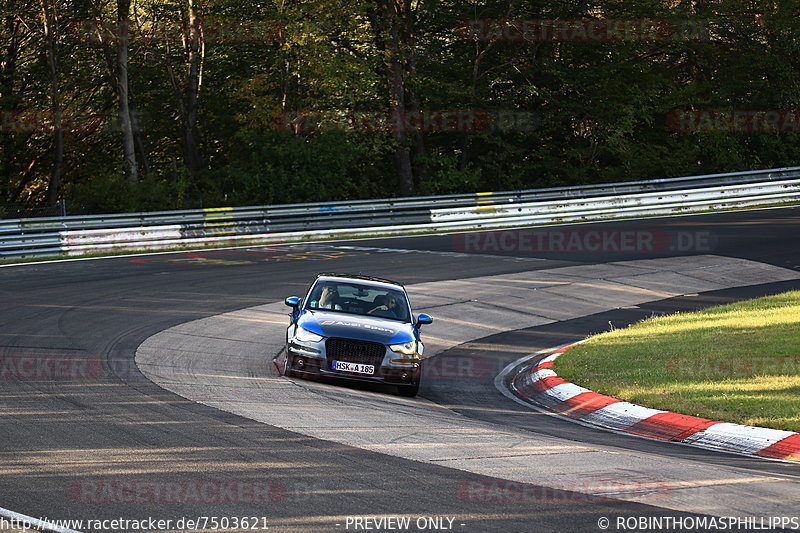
(292, 301)
(424, 319)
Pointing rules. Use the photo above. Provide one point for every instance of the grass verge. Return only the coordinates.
(735, 363)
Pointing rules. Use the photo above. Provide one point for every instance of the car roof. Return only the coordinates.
(358, 277)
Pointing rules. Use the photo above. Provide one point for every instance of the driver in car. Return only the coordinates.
(390, 308)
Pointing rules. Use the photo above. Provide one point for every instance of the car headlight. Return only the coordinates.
(407, 348)
(303, 335)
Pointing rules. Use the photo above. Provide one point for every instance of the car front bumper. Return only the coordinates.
(309, 359)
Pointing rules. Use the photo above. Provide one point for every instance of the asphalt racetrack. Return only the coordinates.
(85, 435)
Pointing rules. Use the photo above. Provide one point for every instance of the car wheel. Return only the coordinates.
(287, 366)
(409, 391)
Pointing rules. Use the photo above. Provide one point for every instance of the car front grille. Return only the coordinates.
(352, 351)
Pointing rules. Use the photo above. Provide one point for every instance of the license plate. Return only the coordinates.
(353, 367)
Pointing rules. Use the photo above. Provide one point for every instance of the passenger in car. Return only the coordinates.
(329, 299)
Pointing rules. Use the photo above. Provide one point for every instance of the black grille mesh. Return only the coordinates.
(352, 351)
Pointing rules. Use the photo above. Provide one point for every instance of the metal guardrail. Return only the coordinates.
(60, 236)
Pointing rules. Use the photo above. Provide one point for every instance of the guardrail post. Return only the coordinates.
(73, 235)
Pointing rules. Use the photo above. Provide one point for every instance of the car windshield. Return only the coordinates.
(358, 299)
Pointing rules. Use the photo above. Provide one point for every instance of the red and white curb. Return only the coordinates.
(540, 385)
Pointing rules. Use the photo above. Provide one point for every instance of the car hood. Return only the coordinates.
(359, 327)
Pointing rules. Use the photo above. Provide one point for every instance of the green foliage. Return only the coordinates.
(600, 108)
(115, 194)
(445, 177)
(273, 167)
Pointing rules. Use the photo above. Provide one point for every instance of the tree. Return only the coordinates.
(123, 37)
(51, 30)
(389, 28)
(235, 103)
(187, 83)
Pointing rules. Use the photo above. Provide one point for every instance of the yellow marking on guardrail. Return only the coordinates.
(483, 194)
(218, 221)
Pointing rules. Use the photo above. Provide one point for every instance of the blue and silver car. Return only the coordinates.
(357, 328)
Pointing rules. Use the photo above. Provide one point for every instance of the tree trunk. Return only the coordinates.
(415, 106)
(390, 35)
(138, 139)
(195, 55)
(9, 55)
(187, 90)
(131, 169)
(50, 26)
(480, 54)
